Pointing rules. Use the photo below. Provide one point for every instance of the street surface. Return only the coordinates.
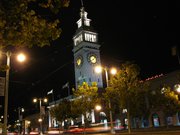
(101, 131)
(149, 131)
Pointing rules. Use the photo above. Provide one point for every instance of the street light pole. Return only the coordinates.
(113, 71)
(21, 58)
(40, 113)
(40, 120)
(110, 112)
(20, 117)
(8, 55)
(40, 106)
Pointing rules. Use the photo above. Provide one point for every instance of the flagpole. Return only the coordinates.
(66, 86)
(53, 96)
(52, 93)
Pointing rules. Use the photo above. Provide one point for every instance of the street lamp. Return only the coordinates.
(8, 55)
(98, 107)
(29, 126)
(1, 118)
(40, 110)
(20, 111)
(113, 71)
(177, 88)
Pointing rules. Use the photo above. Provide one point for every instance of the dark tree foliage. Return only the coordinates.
(62, 111)
(86, 97)
(127, 91)
(22, 25)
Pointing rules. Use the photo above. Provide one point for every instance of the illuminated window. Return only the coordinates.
(87, 23)
(90, 37)
(124, 111)
(79, 23)
(78, 39)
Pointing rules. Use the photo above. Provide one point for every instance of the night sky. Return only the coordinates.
(139, 31)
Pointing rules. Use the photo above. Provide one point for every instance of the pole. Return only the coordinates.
(19, 113)
(110, 112)
(53, 95)
(40, 107)
(8, 54)
(40, 116)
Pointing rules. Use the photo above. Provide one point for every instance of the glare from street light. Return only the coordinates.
(98, 107)
(34, 100)
(45, 100)
(40, 120)
(22, 109)
(113, 71)
(178, 88)
(98, 69)
(21, 57)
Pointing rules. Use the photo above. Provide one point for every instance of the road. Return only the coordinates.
(148, 131)
(152, 131)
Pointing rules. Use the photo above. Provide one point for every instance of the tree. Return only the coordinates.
(166, 100)
(127, 90)
(62, 111)
(23, 24)
(86, 97)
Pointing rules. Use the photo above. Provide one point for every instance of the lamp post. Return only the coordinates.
(29, 126)
(113, 71)
(21, 58)
(8, 54)
(98, 108)
(40, 111)
(20, 110)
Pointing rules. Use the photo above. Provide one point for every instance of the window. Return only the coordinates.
(90, 37)
(78, 39)
(79, 23)
(86, 22)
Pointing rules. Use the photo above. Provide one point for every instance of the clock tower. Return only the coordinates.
(86, 52)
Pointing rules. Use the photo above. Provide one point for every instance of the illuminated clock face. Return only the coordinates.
(79, 61)
(92, 58)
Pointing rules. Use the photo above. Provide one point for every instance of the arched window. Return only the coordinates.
(155, 119)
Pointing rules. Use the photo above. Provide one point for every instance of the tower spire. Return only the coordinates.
(82, 3)
(84, 21)
(82, 9)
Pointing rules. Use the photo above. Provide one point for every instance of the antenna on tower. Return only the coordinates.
(82, 3)
(82, 10)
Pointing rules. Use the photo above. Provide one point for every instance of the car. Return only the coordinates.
(12, 133)
(54, 131)
(74, 129)
(34, 133)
